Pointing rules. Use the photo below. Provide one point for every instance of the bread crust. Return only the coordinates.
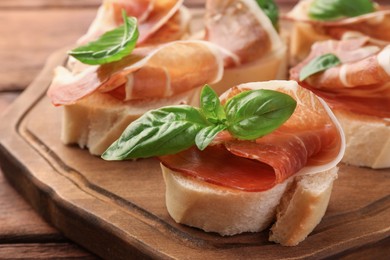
(298, 204)
(218, 209)
(302, 207)
(367, 139)
(96, 121)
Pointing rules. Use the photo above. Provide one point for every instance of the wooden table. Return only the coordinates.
(30, 31)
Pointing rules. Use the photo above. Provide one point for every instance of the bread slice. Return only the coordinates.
(367, 139)
(302, 207)
(96, 121)
(298, 204)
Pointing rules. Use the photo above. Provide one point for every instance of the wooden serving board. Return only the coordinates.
(117, 209)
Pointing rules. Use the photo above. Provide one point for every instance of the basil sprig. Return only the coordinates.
(335, 9)
(319, 64)
(111, 46)
(271, 10)
(168, 130)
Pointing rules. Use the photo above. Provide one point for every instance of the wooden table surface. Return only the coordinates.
(30, 31)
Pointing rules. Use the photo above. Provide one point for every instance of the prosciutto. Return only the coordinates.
(146, 73)
(360, 84)
(163, 16)
(299, 146)
(375, 25)
(241, 28)
(163, 70)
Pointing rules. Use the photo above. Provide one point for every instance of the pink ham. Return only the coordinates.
(146, 73)
(296, 147)
(360, 84)
(166, 70)
(152, 15)
(375, 25)
(240, 27)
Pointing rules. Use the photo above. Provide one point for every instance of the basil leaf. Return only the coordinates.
(207, 134)
(211, 106)
(111, 46)
(271, 10)
(255, 113)
(158, 132)
(168, 130)
(334, 9)
(319, 64)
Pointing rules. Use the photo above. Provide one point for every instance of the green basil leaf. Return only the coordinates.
(319, 64)
(158, 132)
(335, 9)
(211, 106)
(255, 113)
(207, 134)
(271, 10)
(111, 46)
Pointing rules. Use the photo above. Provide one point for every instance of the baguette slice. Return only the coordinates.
(98, 120)
(367, 139)
(298, 204)
(302, 207)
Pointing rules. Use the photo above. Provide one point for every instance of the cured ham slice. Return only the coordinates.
(139, 9)
(163, 11)
(375, 24)
(300, 146)
(241, 28)
(360, 84)
(146, 73)
(152, 15)
(154, 72)
(306, 31)
(348, 50)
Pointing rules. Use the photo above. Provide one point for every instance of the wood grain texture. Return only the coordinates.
(15, 211)
(23, 4)
(24, 52)
(6, 98)
(121, 204)
(43, 251)
(24, 235)
(42, 4)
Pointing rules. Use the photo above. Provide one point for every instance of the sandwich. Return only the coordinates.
(353, 77)
(262, 153)
(107, 85)
(319, 20)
